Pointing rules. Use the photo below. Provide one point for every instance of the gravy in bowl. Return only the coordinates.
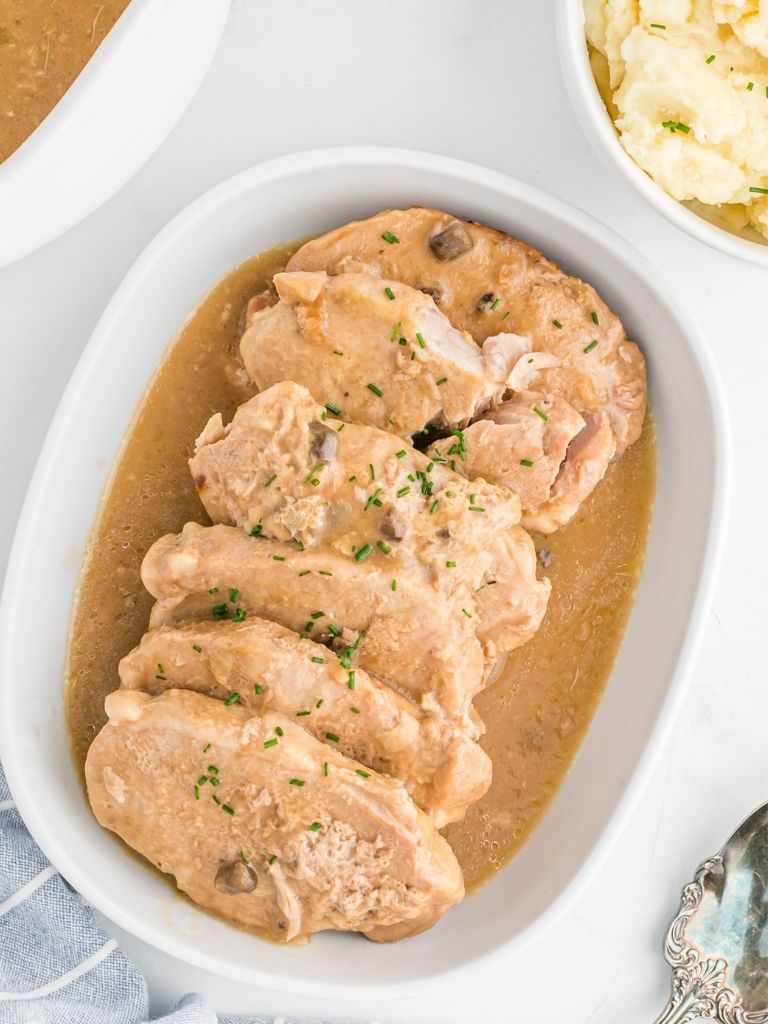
(44, 45)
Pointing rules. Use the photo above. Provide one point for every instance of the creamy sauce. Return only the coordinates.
(44, 45)
(537, 711)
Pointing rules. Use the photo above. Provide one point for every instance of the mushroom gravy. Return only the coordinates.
(539, 708)
(44, 45)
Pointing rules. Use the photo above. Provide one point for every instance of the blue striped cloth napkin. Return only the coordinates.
(56, 965)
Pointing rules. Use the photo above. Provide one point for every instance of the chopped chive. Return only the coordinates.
(239, 615)
(300, 545)
(325, 769)
(215, 799)
(557, 324)
(376, 390)
(393, 585)
(355, 711)
(750, 86)
(303, 714)
(403, 491)
(526, 462)
(400, 454)
(655, 24)
(317, 615)
(271, 480)
(256, 530)
(278, 558)
(315, 826)
(279, 731)
(389, 293)
(676, 126)
(351, 680)
(272, 859)
(270, 743)
(595, 317)
(420, 340)
(244, 859)
(227, 808)
(338, 352)
(476, 508)
(710, 58)
(395, 331)
(206, 748)
(258, 689)
(202, 780)
(372, 471)
(468, 614)
(305, 572)
(309, 626)
(540, 412)
(450, 565)
(385, 548)
(198, 648)
(505, 315)
(758, 190)
(197, 792)
(433, 507)
(363, 774)
(363, 553)
(590, 346)
(220, 611)
(232, 699)
(443, 380)
(318, 661)
(324, 572)
(389, 237)
(213, 590)
(495, 303)
(332, 737)
(340, 427)
(296, 782)
(333, 409)
(320, 703)
(334, 630)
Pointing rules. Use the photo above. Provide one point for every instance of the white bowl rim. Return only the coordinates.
(22, 787)
(595, 120)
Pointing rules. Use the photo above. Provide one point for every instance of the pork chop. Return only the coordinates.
(416, 637)
(485, 281)
(263, 824)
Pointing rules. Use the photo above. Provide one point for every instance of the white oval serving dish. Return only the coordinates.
(597, 126)
(275, 202)
(115, 114)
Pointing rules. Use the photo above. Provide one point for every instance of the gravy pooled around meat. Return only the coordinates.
(426, 477)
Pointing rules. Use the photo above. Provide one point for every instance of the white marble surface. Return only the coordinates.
(476, 79)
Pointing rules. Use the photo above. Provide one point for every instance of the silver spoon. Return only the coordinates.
(717, 944)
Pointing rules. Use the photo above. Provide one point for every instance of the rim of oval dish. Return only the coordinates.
(597, 125)
(22, 787)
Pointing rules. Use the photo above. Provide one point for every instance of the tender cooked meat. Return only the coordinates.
(542, 449)
(243, 811)
(417, 637)
(366, 487)
(270, 668)
(394, 363)
(511, 602)
(495, 284)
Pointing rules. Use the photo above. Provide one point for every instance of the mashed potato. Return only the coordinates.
(688, 84)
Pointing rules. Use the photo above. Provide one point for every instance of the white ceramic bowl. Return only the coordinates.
(277, 201)
(125, 101)
(599, 129)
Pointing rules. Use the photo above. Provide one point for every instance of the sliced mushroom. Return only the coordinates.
(393, 525)
(325, 442)
(434, 293)
(484, 303)
(235, 877)
(451, 242)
